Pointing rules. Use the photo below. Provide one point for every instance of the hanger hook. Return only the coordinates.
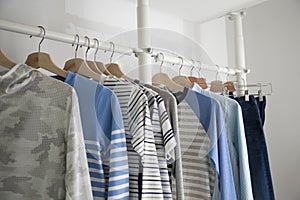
(227, 77)
(218, 68)
(193, 67)
(181, 65)
(88, 46)
(260, 86)
(244, 83)
(200, 68)
(77, 44)
(97, 46)
(162, 61)
(113, 51)
(43, 37)
(271, 87)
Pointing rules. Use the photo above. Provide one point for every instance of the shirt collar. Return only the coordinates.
(16, 78)
(180, 96)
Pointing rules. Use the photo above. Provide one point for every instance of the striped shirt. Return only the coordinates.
(165, 124)
(208, 112)
(142, 155)
(175, 169)
(104, 136)
(164, 137)
(198, 171)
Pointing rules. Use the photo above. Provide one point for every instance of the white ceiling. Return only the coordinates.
(200, 10)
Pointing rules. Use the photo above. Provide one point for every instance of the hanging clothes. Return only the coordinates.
(144, 173)
(132, 134)
(208, 112)
(104, 136)
(41, 145)
(257, 149)
(261, 104)
(175, 167)
(236, 142)
(164, 137)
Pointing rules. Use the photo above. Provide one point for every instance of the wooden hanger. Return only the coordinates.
(43, 60)
(80, 66)
(164, 79)
(5, 61)
(217, 85)
(116, 71)
(114, 68)
(93, 67)
(200, 81)
(102, 68)
(182, 80)
(229, 84)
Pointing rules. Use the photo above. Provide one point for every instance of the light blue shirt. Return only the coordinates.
(210, 115)
(236, 142)
(104, 136)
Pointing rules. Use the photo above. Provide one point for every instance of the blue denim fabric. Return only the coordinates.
(257, 150)
(261, 106)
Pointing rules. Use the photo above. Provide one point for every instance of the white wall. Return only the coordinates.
(272, 34)
(212, 36)
(113, 20)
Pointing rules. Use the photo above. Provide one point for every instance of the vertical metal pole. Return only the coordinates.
(144, 40)
(240, 60)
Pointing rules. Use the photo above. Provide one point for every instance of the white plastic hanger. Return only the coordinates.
(43, 60)
(164, 79)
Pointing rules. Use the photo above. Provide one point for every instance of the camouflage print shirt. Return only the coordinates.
(42, 153)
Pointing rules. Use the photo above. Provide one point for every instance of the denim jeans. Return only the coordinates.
(257, 150)
(261, 106)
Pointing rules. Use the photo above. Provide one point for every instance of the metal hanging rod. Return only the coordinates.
(169, 58)
(63, 37)
(107, 46)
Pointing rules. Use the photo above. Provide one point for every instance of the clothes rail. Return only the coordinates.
(62, 37)
(107, 46)
(182, 61)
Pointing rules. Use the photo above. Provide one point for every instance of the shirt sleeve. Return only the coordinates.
(118, 163)
(77, 179)
(245, 179)
(159, 142)
(167, 131)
